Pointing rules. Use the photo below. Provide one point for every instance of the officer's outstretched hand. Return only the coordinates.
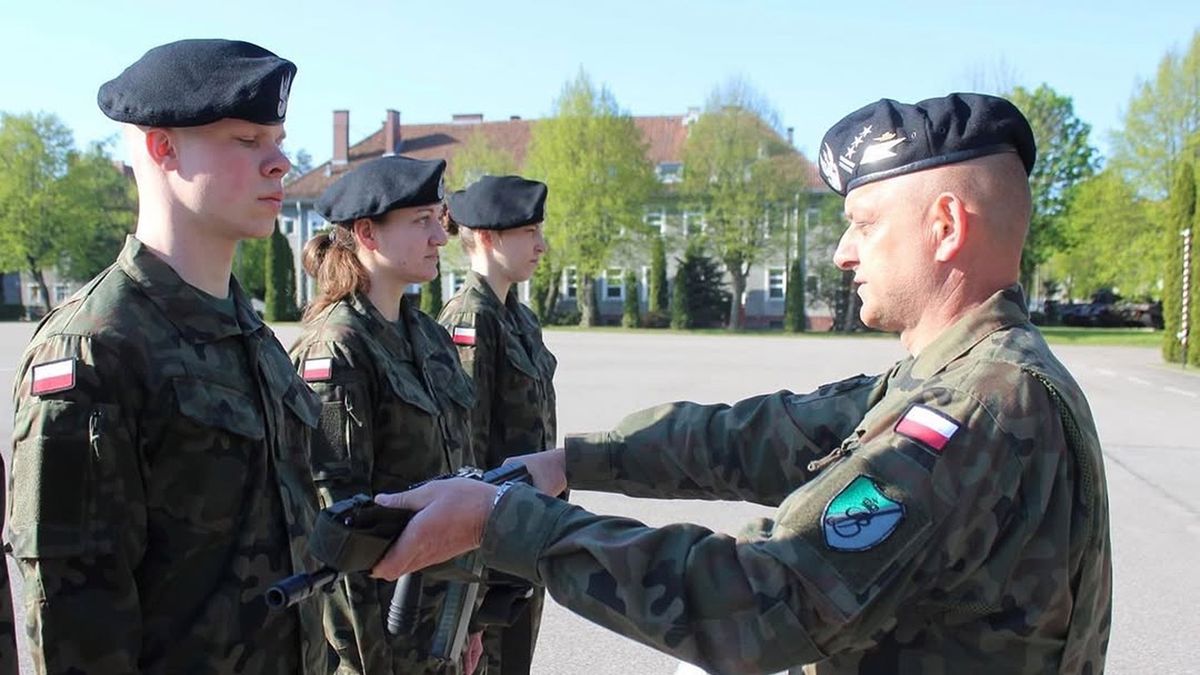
(547, 469)
(449, 521)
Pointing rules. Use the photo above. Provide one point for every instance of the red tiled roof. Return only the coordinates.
(664, 135)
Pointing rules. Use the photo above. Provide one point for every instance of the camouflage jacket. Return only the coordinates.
(395, 410)
(501, 348)
(950, 516)
(151, 498)
(8, 628)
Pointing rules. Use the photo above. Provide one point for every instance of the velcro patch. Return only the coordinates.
(53, 377)
(463, 335)
(860, 517)
(317, 370)
(928, 427)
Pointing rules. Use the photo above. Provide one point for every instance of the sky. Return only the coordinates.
(813, 61)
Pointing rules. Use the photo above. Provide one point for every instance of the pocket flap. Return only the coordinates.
(215, 405)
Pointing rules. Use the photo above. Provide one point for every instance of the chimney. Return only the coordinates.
(391, 133)
(341, 137)
(791, 135)
(514, 118)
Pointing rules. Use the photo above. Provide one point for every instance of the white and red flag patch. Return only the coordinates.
(53, 377)
(463, 335)
(317, 370)
(927, 426)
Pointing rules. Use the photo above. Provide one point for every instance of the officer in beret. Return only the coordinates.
(397, 405)
(499, 220)
(949, 515)
(158, 419)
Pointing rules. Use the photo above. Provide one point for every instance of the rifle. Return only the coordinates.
(352, 535)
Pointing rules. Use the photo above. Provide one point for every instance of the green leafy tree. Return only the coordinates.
(631, 314)
(744, 175)
(281, 280)
(795, 319)
(657, 294)
(1112, 240)
(543, 291)
(1064, 158)
(680, 320)
(592, 157)
(1181, 215)
(101, 207)
(250, 266)
(431, 295)
(1162, 123)
(478, 157)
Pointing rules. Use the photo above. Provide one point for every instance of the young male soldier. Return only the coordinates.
(948, 516)
(151, 501)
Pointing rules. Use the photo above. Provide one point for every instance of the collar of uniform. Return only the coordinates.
(385, 332)
(181, 302)
(507, 310)
(1005, 308)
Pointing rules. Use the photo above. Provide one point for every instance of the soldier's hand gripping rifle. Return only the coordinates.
(352, 535)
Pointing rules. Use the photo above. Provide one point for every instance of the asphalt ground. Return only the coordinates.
(1148, 416)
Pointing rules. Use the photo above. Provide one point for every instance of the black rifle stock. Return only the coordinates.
(352, 535)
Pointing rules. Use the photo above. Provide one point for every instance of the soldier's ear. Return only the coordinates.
(950, 223)
(162, 146)
(364, 234)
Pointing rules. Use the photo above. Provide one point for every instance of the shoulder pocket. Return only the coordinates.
(214, 405)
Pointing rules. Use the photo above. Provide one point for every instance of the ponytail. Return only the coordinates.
(330, 258)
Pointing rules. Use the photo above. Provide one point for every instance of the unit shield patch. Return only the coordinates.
(860, 517)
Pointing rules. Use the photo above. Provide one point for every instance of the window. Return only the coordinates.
(35, 295)
(693, 222)
(614, 283)
(655, 220)
(776, 283)
(457, 279)
(287, 225)
(61, 293)
(669, 172)
(569, 288)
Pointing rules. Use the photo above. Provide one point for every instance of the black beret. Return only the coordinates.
(499, 203)
(381, 185)
(193, 82)
(888, 138)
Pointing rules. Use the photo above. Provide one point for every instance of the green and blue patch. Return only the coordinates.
(860, 517)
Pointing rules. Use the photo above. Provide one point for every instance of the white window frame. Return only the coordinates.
(619, 286)
(660, 214)
(782, 271)
(457, 279)
(570, 283)
(62, 291)
(287, 226)
(688, 228)
(35, 295)
(644, 291)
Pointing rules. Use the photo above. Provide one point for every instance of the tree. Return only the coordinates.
(301, 164)
(58, 207)
(431, 294)
(744, 175)
(281, 280)
(1112, 240)
(250, 266)
(1181, 214)
(631, 310)
(795, 319)
(478, 157)
(700, 298)
(1064, 158)
(657, 296)
(1162, 123)
(101, 206)
(592, 157)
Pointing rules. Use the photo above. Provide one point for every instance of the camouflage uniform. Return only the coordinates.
(151, 500)
(8, 628)
(977, 544)
(513, 374)
(395, 411)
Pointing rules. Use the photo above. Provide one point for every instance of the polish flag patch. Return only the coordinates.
(463, 335)
(53, 377)
(317, 370)
(927, 426)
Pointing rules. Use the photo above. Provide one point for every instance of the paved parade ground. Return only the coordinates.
(1148, 415)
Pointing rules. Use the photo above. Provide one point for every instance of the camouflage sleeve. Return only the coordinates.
(8, 627)
(756, 450)
(843, 556)
(77, 513)
(479, 355)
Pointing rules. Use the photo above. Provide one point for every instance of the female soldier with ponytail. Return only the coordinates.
(396, 404)
(499, 219)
